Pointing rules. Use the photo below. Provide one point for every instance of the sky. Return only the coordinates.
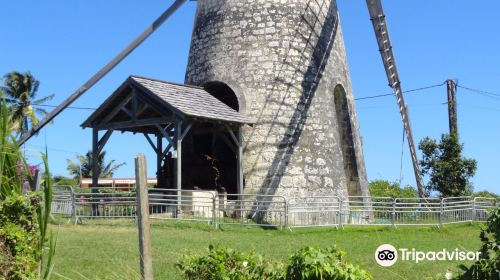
(63, 43)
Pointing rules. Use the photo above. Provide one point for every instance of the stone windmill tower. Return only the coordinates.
(283, 63)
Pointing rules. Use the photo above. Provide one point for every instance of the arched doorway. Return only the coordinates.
(346, 139)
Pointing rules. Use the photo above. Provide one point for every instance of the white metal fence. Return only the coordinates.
(272, 210)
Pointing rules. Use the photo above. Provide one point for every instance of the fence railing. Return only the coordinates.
(272, 210)
(186, 205)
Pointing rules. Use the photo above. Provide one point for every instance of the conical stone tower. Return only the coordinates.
(283, 63)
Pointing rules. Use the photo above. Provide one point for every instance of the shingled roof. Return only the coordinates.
(191, 101)
(185, 101)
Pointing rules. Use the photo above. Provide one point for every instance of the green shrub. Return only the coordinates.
(312, 263)
(19, 237)
(486, 194)
(225, 263)
(488, 267)
(308, 263)
(384, 188)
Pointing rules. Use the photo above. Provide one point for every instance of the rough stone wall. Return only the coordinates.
(283, 59)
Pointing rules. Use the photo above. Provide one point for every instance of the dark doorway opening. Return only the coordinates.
(210, 160)
(224, 93)
(346, 138)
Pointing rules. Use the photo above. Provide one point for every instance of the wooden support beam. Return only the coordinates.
(134, 123)
(151, 143)
(134, 104)
(165, 152)
(104, 140)
(163, 131)
(95, 169)
(178, 165)
(141, 109)
(231, 133)
(186, 130)
(117, 109)
(209, 130)
(159, 157)
(130, 114)
(95, 154)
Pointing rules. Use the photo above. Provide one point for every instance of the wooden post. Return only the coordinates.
(141, 188)
(37, 180)
(178, 164)
(452, 107)
(95, 169)
(159, 159)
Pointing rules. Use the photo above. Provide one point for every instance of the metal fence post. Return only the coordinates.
(286, 212)
(340, 211)
(474, 209)
(73, 203)
(441, 212)
(393, 213)
(214, 209)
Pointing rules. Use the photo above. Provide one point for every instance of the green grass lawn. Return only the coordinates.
(110, 250)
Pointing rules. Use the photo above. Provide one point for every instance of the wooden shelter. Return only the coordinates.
(168, 112)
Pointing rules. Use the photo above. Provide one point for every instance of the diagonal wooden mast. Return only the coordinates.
(382, 34)
(103, 71)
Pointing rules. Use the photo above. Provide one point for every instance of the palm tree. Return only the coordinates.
(20, 92)
(83, 167)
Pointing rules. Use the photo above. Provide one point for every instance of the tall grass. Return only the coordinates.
(14, 170)
(12, 163)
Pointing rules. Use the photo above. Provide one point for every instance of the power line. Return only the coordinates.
(374, 96)
(407, 91)
(468, 106)
(53, 106)
(482, 92)
(53, 149)
(70, 107)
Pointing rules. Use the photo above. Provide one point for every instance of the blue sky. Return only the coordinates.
(64, 42)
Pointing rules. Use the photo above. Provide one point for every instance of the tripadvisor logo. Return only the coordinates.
(387, 255)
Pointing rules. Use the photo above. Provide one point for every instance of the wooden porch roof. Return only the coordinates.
(141, 103)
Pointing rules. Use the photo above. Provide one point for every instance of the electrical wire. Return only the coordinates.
(69, 107)
(52, 149)
(54, 106)
(407, 91)
(478, 91)
(481, 92)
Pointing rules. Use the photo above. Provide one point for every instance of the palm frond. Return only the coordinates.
(41, 111)
(43, 100)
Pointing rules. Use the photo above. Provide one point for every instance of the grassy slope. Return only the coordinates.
(110, 251)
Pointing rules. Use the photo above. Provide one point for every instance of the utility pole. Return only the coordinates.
(452, 106)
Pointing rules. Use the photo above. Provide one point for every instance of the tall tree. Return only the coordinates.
(449, 172)
(20, 92)
(83, 166)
